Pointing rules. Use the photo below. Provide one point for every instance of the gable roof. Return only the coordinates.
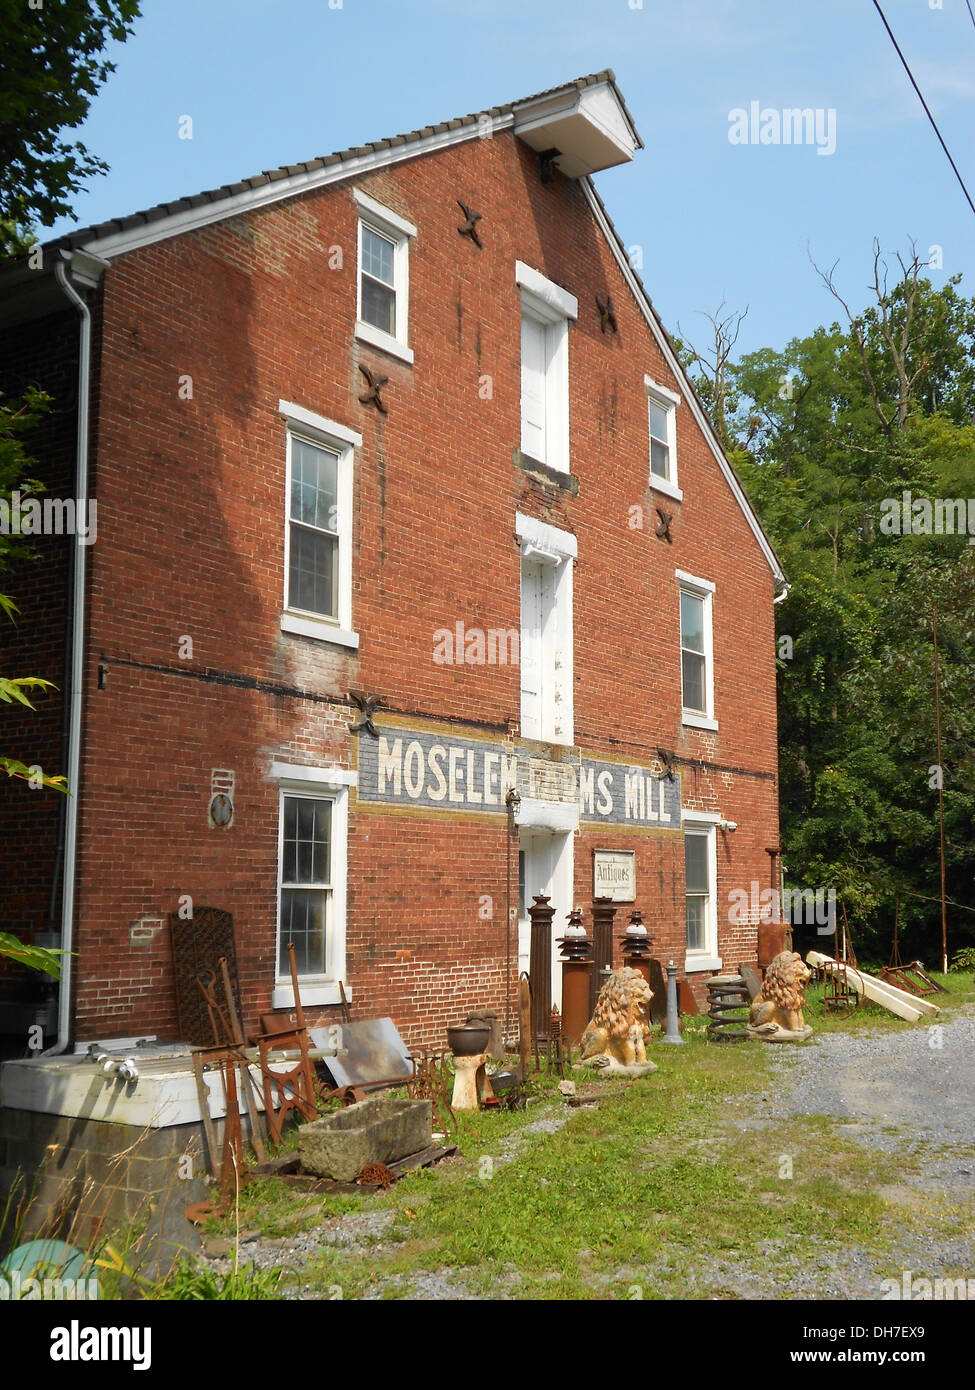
(121, 234)
(531, 117)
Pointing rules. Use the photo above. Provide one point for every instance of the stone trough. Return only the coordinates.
(382, 1130)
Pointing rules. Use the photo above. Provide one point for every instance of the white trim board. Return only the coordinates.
(192, 219)
(544, 536)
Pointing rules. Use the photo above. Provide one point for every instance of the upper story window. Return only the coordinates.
(313, 549)
(662, 406)
(546, 309)
(378, 305)
(546, 641)
(383, 281)
(696, 651)
(318, 527)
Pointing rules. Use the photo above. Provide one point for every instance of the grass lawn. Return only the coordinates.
(666, 1190)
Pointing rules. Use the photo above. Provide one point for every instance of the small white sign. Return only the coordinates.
(614, 874)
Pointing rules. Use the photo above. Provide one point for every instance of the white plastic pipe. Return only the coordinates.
(77, 667)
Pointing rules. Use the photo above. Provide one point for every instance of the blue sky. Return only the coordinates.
(271, 82)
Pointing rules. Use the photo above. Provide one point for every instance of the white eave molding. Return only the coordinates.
(589, 128)
(250, 199)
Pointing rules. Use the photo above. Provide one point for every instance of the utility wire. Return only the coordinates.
(927, 112)
(969, 4)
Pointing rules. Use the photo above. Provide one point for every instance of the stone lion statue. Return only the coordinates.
(776, 1013)
(616, 1037)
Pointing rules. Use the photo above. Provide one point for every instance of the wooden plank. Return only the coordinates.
(422, 1159)
(905, 996)
(898, 1001)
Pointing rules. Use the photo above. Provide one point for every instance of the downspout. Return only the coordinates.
(77, 659)
(784, 594)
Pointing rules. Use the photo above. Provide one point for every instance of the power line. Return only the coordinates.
(969, 4)
(927, 112)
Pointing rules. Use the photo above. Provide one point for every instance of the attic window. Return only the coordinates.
(383, 280)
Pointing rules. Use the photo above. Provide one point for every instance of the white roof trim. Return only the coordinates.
(704, 424)
(192, 219)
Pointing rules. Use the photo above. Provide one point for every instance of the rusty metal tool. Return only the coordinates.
(242, 1066)
(203, 1097)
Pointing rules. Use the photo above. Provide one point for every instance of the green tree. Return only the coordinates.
(822, 432)
(51, 66)
(14, 476)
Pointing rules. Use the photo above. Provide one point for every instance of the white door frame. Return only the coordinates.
(549, 870)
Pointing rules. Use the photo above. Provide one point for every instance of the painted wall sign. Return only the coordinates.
(412, 767)
(614, 874)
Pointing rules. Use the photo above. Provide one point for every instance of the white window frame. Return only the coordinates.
(705, 824)
(551, 306)
(396, 229)
(554, 550)
(316, 429)
(668, 401)
(702, 589)
(320, 784)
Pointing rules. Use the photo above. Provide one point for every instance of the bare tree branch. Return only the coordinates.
(714, 362)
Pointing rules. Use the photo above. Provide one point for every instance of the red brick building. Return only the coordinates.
(346, 440)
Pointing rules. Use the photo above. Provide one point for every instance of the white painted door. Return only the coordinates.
(533, 373)
(544, 866)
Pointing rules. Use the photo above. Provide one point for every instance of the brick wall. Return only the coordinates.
(191, 538)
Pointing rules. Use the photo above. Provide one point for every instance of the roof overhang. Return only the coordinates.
(29, 293)
(590, 128)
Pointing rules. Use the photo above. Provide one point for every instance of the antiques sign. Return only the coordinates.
(406, 767)
(614, 875)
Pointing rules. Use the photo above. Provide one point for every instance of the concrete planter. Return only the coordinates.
(374, 1131)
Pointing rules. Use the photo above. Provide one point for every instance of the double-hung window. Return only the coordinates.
(383, 279)
(312, 855)
(546, 309)
(700, 890)
(313, 550)
(696, 651)
(306, 883)
(662, 406)
(318, 526)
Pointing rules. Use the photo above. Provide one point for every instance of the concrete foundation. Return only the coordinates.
(86, 1151)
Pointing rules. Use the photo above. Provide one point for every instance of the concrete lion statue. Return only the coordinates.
(616, 1037)
(776, 1013)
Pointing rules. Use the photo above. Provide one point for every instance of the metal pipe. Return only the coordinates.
(77, 663)
(941, 793)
